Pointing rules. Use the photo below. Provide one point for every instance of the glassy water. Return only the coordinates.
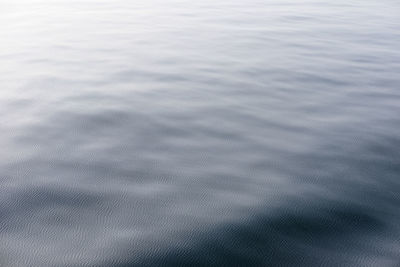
(199, 133)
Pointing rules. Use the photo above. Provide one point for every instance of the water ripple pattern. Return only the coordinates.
(199, 133)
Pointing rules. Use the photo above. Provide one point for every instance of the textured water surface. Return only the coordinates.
(199, 133)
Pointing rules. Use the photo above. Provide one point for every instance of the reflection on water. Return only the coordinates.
(209, 133)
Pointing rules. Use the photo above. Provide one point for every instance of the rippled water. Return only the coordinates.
(199, 133)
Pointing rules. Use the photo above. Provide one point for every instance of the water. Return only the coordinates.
(199, 133)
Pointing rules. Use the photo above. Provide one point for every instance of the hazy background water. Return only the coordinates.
(209, 133)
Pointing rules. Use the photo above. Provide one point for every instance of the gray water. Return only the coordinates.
(199, 133)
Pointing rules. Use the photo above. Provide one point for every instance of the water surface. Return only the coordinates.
(199, 133)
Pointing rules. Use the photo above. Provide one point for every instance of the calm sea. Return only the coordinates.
(199, 133)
